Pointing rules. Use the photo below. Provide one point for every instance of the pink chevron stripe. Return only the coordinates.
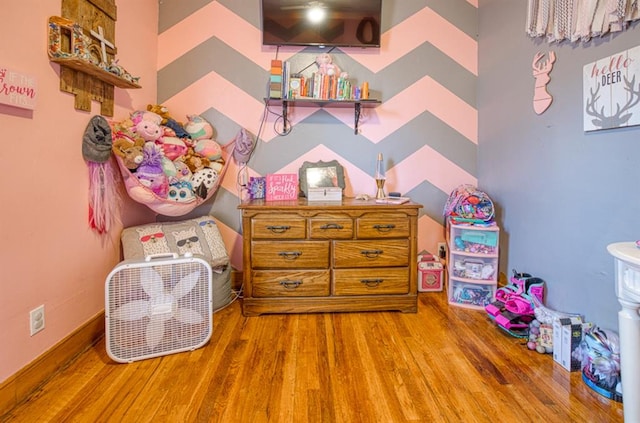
(424, 95)
(433, 167)
(430, 233)
(233, 242)
(215, 20)
(231, 101)
(473, 2)
(423, 26)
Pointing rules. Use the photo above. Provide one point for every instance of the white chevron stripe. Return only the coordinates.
(423, 26)
(215, 20)
(424, 95)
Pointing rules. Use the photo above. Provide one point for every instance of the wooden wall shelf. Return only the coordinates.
(315, 102)
(93, 70)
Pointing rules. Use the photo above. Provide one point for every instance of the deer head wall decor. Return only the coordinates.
(541, 97)
(620, 117)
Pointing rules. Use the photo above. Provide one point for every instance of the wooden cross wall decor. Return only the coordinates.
(83, 43)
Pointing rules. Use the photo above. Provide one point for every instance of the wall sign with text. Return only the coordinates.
(611, 91)
(17, 89)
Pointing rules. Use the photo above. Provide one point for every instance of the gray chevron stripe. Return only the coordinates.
(173, 11)
(200, 61)
(432, 198)
(323, 128)
(246, 75)
(459, 13)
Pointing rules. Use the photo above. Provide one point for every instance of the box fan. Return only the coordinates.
(157, 306)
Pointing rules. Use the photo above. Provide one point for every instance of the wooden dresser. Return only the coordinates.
(301, 257)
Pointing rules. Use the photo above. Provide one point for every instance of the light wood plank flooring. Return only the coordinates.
(442, 364)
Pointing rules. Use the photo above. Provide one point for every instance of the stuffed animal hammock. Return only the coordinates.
(170, 168)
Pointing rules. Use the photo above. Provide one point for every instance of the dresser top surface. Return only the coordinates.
(346, 203)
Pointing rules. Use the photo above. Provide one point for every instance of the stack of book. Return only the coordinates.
(317, 86)
(275, 79)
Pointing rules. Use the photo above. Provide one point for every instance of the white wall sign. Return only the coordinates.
(17, 89)
(611, 91)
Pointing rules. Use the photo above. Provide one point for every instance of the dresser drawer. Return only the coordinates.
(331, 228)
(289, 254)
(367, 282)
(371, 253)
(280, 227)
(383, 227)
(274, 283)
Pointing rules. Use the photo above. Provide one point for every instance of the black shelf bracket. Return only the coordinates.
(356, 118)
(310, 102)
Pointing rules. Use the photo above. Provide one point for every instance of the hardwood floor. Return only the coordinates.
(442, 364)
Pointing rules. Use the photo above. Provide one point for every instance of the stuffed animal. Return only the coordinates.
(203, 180)
(172, 147)
(161, 111)
(198, 128)
(150, 172)
(183, 173)
(128, 149)
(208, 148)
(326, 66)
(181, 191)
(194, 161)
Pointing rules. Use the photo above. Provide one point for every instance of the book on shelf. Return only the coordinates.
(393, 200)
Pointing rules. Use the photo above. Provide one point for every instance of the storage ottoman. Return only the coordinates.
(199, 236)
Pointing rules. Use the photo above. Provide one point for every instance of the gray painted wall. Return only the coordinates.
(562, 195)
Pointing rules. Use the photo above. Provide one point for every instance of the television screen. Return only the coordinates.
(339, 23)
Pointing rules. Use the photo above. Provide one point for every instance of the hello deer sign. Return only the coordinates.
(611, 91)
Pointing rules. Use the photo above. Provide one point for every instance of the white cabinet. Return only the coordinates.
(472, 264)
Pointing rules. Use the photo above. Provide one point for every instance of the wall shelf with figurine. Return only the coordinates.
(315, 102)
(82, 42)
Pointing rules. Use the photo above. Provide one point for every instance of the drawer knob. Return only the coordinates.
(287, 284)
(279, 229)
(371, 283)
(384, 228)
(331, 226)
(290, 255)
(371, 253)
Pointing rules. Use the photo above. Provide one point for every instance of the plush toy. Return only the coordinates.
(140, 115)
(161, 111)
(172, 147)
(194, 161)
(181, 191)
(208, 148)
(128, 149)
(132, 157)
(326, 66)
(198, 128)
(177, 128)
(203, 180)
(183, 173)
(150, 172)
(148, 130)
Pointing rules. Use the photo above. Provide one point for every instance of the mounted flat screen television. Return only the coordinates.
(326, 23)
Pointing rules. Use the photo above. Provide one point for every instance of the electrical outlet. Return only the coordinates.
(442, 250)
(36, 319)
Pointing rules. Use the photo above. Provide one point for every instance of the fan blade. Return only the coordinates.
(155, 332)
(188, 316)
(151, 282)
(132, 311)
(185, 285)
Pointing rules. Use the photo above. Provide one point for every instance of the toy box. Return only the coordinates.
(430, 276)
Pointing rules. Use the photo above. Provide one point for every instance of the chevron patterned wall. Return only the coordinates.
(211, 62)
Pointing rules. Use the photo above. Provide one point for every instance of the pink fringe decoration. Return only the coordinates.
(104, 199)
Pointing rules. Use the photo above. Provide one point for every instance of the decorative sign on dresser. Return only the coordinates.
(304, 257)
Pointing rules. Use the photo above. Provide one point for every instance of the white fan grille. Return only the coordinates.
(155, 308)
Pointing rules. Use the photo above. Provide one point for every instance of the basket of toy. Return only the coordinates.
(169, 167)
